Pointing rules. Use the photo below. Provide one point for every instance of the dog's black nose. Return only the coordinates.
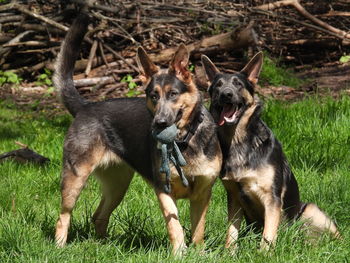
(161, 123)
(228, 94)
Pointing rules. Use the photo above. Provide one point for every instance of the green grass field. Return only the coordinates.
(315, 134)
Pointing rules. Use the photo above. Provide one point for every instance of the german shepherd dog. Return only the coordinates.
(259, 182)
(113, 139)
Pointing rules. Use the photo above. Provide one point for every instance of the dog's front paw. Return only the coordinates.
(266, 245)
(180, 250)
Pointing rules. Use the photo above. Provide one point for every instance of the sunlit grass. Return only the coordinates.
(315, 134)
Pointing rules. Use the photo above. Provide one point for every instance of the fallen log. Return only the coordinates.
(324, 43)
(25, 155)
(93, 81)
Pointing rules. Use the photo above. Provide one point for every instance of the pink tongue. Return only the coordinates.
(227, 112)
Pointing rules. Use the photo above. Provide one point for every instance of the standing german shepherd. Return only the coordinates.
(113, 138)
(259, 183)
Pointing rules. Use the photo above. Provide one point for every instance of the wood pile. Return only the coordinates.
(303, 33)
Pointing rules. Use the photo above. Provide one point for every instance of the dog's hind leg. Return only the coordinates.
(78, 164)
(115, 182)
(317, 221)
(73, 181)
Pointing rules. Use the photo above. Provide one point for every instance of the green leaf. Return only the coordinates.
(48, 72)
(48, 82)
(344, 59)
(42, 76)
(132, 85)
(2, 80)
(13, 78)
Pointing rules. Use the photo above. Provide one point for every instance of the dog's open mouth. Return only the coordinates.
(229, 114)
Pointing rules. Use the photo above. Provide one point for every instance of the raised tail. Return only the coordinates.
(64, 68)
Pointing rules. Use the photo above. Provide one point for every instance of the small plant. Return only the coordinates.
(212, 28)
(45, 79)
(9, 77)
(132, 92)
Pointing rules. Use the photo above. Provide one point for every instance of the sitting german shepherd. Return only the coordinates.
(259, 183)
(113, 138)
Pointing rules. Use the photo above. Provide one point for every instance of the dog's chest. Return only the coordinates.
(255, 181)
(200, 172)
(236, 158)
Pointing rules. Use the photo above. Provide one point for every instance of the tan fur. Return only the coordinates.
(235, 213)
(169, 210)
(198, 207)
(73, 182)
(199, 177)
(272, 220)
(316, 221)
(115, 181)
(186, 102)
(201, 180)
(257, 184)
(150, 105)
(109, 158)
(241, 131)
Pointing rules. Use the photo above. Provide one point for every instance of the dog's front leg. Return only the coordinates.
(234, 214)
(170, 213)
(198, 211)
(272, 219)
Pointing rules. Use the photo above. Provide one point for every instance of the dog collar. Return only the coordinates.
(197, 120)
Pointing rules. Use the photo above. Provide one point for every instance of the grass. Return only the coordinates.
(275, 74)
(315, 134)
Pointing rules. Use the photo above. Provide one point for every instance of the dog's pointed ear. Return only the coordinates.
(209, 68)
(179, 64)
(146, 66)
(253, 68)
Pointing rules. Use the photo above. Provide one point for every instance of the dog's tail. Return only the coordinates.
(317, 222)
(64, 68)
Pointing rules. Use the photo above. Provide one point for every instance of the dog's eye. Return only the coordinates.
(236, 83)
(173, 94)
(219, 83)
(154, 97)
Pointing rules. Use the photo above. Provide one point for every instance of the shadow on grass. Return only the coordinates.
(136, 233)
(9, 133)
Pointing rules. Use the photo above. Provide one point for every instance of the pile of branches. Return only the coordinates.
(227, 31)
